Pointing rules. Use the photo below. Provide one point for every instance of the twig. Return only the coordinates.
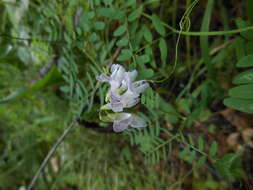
(115, 55)
(50, 153)
(222, 46)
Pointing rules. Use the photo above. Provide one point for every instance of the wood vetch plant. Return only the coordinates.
(124, 92)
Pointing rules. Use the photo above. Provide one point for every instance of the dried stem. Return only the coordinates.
(49, 155)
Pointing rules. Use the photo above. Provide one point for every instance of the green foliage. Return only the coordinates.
(241, 96)
(229, 167)
(50, 55)
(158, 25)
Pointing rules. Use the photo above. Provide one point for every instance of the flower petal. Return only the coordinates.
(115, 103)
(103, 78)
(117, 73)
(139, 86)
(114, 67)
(138, 122)
(131, 102)
(116, 106)
(131, 76)
(122, 122)
(119, 126)
(124, 116)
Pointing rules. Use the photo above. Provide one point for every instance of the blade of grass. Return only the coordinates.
(204, 39)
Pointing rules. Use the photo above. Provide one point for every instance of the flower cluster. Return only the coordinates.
(124, 92)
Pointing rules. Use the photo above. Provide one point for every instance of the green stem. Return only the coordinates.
(211, 33)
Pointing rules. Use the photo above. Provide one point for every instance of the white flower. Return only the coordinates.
(131, 92)
(124, 92)
(126, 120)
(116, 77)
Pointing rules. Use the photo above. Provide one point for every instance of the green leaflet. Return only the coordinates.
(146, 73)
(135, 14)
(244, 105)
(120, 30)
(147, 34)
(244, 77)
(241, 97)
(243, 92)
(213, 149)
(122, 42)
(158, 25)
(125, 55)
(163, 50)
(229, 166)
(246, 61)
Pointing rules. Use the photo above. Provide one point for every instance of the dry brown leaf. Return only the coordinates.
(233, 139)
(54, 164)
(247, 135)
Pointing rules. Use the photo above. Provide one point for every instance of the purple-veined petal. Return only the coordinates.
(115, 103)
(114, 96)
(116, 106)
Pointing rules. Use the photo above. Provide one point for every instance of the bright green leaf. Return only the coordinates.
(122, 42)
(158, 25)
(142, 59)
(125, 55)
(135, 14)
(147, 34)
(120, 30)
(111, 13)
